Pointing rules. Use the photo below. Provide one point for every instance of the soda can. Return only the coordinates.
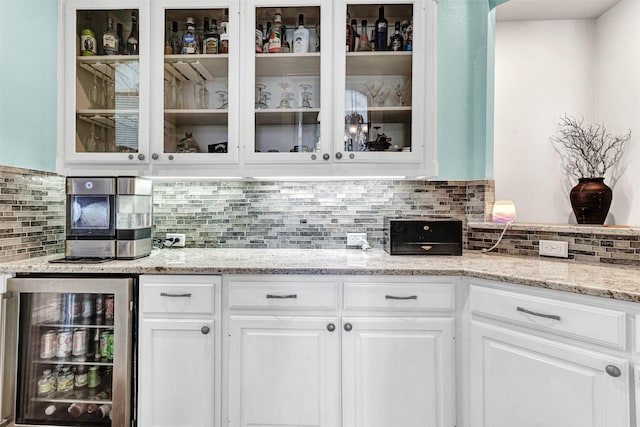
(99, 309)
(66, 308)
(76, 309)
(64, 343)
(48, 344)
(79, 347)
(104, 343)
(87, 308)
(109, 309)
(93, 377)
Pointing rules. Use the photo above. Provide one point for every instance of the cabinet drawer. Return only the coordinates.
(295, 294)
(585, 322)
(399, 296)
(177, 297)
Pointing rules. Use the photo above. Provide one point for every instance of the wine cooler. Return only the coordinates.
(69, 351)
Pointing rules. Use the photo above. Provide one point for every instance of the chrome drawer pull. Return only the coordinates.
(533, 313)
(164, 294)
(271, 296)
(403, 298)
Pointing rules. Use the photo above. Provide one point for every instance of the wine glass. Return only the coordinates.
(259, 89)
(399, 88)
(305, 95)
(224, 103)
(179, 94)
(94, 94)
(201, 94)
(374, 90)
(286, 96)
(89, 141)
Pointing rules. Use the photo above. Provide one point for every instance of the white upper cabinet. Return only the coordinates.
(265, 88)
(106, 82)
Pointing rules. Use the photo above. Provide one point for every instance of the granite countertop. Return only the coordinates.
(617, 282)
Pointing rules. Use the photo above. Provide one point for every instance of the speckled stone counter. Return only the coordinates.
(621, 283)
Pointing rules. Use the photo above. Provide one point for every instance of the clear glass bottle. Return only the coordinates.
(356, 36)
(381, 30)
(189, 38)
(110, 39)
(132, 40)
(187, 144)
(275, 38)
(364, 38)
(301, 37)
(397, 42)
(211, 42)
(176, 43)
(350, 41)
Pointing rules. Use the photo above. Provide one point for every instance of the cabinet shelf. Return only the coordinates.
(191, 67)
(389, 114)
(289, 116)
(287, 64)
(379, 63)
(212, 117)
(105, 66)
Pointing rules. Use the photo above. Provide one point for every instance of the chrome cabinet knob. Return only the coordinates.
(326, 156)
(613, 371)
(205, 330)
(140, 156)
(155, 156)
(331, 327)
(313, 157)
(348, 327)
(338, 156)
(170, 156)
(130, 156)
(352, 156)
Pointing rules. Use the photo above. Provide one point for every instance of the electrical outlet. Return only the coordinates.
(554, 248)
(181, 239)
(356, 239)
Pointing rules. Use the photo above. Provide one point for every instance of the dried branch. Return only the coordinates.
(588, 151)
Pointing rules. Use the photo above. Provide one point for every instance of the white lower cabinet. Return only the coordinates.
(179, 347)
(397, 372)
(526, 379)
(296, 363)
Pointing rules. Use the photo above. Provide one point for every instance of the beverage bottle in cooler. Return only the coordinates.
(46, 384)
(110, 39)
(81, 379)
(87, 308)
(381, 30)
(93, 380)
(301, 37)
(397, 43)
(99, 309)
(50, 409)
(132, 40)
(95, 348)
(189, 38)
(64, 385)
(109, 309)
(77, 409)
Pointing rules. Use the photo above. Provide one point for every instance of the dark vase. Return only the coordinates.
(591, 200)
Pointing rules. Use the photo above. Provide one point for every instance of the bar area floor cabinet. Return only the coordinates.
(179, 380)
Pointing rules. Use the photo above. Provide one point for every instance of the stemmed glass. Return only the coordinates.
(305, 95)
(94, 94)
(260, 104)
(224, 103)
(285, 102)
(201, 94)
(179, 94)
(89, 141)
(375, 92)
(399, 87)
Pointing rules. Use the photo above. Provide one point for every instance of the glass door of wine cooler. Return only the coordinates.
(73, 352)
(289, 60)
(384, 77)
(105, 47)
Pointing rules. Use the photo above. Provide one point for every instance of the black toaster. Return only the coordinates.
(415, 236)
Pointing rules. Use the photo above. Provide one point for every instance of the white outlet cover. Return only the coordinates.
(553, 248)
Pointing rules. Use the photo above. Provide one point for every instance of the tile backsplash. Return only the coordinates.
(310, 215)
(32, 214)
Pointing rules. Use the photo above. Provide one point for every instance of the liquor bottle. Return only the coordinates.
(275, 38)
(259, 38)
(317, 38)
(189, 38)
(168, 50)
(265, 39)
(121, 44)
(200, 36)
(176, 43)
(211, 44)
(364, 38)
(88, 46)
(301, 37)
(356, 36)
(132, 40)
(350, 41)
(110, 39)
(397, 43)
(372, 40)
(224, 32)
(381, 30)
(409, 44)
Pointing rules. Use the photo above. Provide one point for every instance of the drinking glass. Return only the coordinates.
(201, 94)
(89, 141)
(399, 88)
(374, 91)
(179, 94)
(259, 102)
(305, 95)
(94, 94)
(285, 101)
(224, 103)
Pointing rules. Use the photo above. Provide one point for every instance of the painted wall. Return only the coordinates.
(28, 91)
(545, 69)
(28, 83)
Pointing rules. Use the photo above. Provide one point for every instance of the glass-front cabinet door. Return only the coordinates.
(106, 81)
(289, 90)
(196, 49)
(385, 93)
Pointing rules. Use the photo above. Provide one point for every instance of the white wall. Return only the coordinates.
(545, 69)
